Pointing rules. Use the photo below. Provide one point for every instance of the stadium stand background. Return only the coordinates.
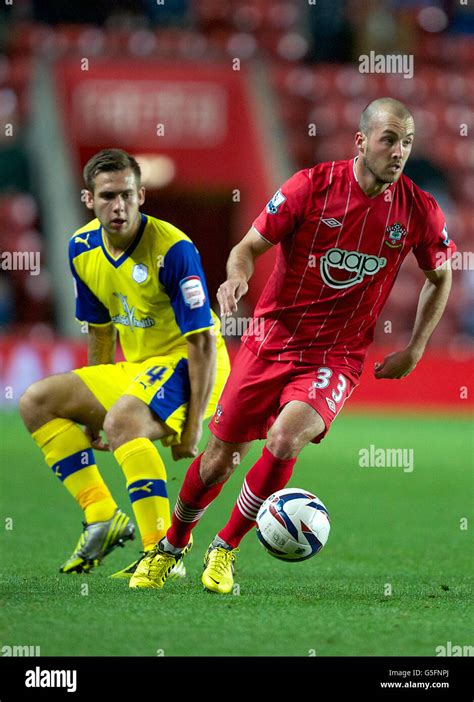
(298, 67)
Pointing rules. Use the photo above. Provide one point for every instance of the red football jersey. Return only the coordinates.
(338, 256)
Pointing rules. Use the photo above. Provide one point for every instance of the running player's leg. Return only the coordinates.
(310, 401)
(244, 408)
(51, 410)
(307, 408)
(202, 484)
(297, 425)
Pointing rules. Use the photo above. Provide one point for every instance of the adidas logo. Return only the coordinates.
(331, 222)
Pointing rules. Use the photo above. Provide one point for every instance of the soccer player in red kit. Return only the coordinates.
(342, 230)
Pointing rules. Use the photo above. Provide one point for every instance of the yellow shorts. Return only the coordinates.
(161, 382)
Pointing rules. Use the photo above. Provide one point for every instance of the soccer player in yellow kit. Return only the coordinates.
(140, 278)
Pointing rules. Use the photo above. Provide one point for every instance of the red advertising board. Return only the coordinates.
(436, 385)
(149, 114)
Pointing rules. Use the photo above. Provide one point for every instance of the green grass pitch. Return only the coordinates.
(392, 531)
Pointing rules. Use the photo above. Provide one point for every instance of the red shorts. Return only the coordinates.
(257, 390)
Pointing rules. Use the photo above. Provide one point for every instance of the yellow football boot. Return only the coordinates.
(218, 575)
(156, 566)
(179, 570)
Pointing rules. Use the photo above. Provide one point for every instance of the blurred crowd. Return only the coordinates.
(311, 50)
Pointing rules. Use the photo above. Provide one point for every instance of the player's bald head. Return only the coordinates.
(378, 110)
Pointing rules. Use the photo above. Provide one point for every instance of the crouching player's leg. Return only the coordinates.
(308, 401)
(295, 427)
(131, 427)
(153, 407)
(51, 410)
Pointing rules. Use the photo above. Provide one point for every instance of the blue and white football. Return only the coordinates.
(293, 524)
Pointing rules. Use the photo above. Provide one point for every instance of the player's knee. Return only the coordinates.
(125, 421)
(283, 445)
(115, 428)
(34, 403)
(216, 466)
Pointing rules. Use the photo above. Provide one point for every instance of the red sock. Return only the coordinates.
(193, 500)
(268, 475)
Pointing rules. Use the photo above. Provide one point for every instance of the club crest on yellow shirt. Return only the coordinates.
(140, 272)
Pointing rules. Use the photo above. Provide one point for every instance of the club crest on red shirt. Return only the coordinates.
(395, 233)
(218, 413)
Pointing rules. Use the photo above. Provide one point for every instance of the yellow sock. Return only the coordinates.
(68, 452)
(146, 484)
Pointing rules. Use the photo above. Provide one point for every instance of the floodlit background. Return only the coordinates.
(221, 102)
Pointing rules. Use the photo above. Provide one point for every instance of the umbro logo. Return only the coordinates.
(331, 404)
(331, 222)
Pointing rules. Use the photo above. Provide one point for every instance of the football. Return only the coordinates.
(293, 524)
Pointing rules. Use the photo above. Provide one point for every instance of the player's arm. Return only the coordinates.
(91, 311)
(182, 278)
(101, 344)
(431, 305)
(240, 267)
(202, 374)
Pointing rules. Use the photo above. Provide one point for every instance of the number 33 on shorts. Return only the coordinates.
(335, 386)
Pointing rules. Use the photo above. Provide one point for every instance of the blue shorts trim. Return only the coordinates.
(175, 392)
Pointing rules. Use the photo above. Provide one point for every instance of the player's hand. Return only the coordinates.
(229, 293)
(96, 440)
(189, 446)
(397, 365)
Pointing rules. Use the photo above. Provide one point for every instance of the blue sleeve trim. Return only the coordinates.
(88, 307)
(182, 277)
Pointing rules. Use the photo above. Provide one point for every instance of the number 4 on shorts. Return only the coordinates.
(155, 373)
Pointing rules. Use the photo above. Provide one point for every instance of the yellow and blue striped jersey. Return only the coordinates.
(154, 293)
